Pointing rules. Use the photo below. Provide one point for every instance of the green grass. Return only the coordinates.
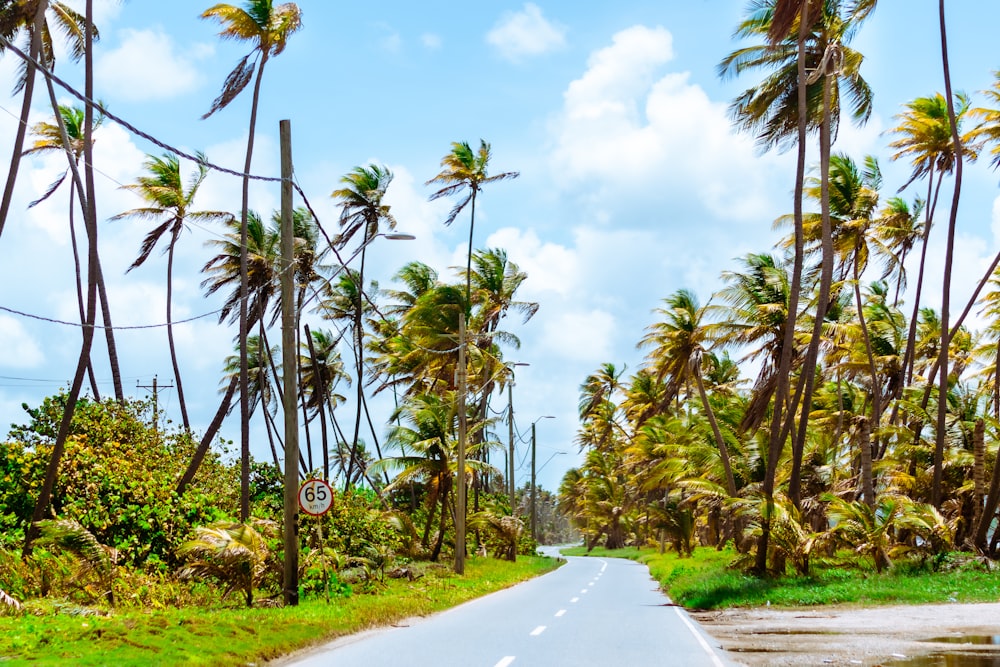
(228, 635)
(706, 581)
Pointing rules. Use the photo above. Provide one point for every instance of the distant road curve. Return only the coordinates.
(591, 611)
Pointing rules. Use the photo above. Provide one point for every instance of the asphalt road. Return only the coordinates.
(591, 611)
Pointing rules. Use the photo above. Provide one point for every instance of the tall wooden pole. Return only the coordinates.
(288, 328)
(460, 381)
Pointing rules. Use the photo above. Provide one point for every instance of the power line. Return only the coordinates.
(101, 326)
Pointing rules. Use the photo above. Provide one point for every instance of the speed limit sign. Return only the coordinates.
(315, 497)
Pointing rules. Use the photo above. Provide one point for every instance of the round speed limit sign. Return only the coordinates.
(315, 497)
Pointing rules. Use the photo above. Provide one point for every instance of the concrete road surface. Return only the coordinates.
(591, 611)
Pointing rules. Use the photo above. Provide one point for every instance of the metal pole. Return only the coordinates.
(533, 489)
(460, 374)
(288, 328)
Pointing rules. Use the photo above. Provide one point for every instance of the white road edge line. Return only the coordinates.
(560, 613)
(701, 640)
(537, 631)
(507, 660)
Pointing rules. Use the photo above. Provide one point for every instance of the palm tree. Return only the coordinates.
(169, 201)
(925, 137)
(267, 26)
(464, 173)
(28, 17)
(678, 343)
(427, 431)
(321, 368)
(767, 110)
(362, 210)
(236, 554)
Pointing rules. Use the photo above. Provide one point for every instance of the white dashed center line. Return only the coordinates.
(574, 599)
(537, 631)
(507, 660)
(560, 613)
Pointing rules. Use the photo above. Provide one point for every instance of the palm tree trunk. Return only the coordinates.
(170, 330)
(911, 343)
(90, 221)
(826, 278)
(719, 441)
(978, 469)
(34, 49)
(109, 330)
(775, 444)
(206, 440)
(865, 449)
(949, 257)
(244, 368)
(320, 389)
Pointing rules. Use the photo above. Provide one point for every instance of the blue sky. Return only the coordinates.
(632, 183)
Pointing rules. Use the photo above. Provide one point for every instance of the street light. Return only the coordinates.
(534, 489)
(510, 429)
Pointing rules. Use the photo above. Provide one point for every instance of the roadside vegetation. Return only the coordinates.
(868, 435)
(161, 633)
(708, 580)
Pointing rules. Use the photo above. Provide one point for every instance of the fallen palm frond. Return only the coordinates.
(9, 602)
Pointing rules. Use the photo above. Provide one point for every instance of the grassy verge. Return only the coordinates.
(227, 636)
(706, 581)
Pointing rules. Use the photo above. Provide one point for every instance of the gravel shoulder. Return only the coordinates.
(849, 635)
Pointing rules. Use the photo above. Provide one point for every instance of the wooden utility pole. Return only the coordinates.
(288, 328)
(533, 492)
(156, 404)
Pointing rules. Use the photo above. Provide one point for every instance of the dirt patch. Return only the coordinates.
(849, 635)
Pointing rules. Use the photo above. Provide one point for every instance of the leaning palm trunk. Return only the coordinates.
(949, 256)
(170, 330)
(808, 379)
(206, 440)
(865, 450)
(90, 221)
(978, 469)
(76, 185)
(34, 50)
(244, 325)
(775, 443)
(719, 441)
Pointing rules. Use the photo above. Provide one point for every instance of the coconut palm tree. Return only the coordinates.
(169, 202)
(427, 432)
(678, 341)
(924, 136)
(267, 27)
(361, 210)
(464, 172)
(31, 18)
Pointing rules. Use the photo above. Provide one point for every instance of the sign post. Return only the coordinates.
(315, 499)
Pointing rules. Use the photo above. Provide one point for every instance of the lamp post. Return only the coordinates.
(510, 433)
(534, 489)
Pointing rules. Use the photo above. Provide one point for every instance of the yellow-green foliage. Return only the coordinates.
(116, 478)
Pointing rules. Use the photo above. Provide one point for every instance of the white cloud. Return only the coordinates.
(147, 66)
(431, 41)
(627, 130)
(526, 33)
(19, 350)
